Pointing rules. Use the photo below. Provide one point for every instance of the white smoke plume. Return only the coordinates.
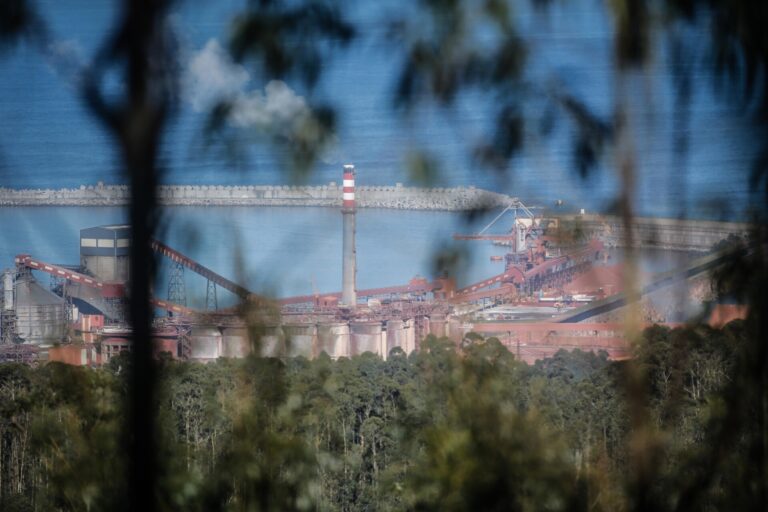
(65, 59)
(212, 77)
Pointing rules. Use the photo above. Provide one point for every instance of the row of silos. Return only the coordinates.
(208, 342)
(337, 339)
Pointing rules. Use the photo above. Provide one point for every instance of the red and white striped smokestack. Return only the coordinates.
(348, 194)
(349, 253)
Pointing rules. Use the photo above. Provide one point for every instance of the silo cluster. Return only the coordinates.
(334, 338)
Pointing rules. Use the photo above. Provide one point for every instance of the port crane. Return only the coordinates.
(529, 264)
(524, 226)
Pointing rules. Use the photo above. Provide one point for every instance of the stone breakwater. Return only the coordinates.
(393, 197)
(670, 234)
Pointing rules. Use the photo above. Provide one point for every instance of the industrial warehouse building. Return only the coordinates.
(104, 251)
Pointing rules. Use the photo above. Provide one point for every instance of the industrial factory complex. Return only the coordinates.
(551, 294)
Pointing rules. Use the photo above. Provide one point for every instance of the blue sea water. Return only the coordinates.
(278, 251)
(48, 139)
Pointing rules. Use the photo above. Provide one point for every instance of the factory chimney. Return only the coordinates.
(349, 263)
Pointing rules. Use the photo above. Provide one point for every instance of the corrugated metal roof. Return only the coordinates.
(29, 293)
(113, 230)
(85, 308)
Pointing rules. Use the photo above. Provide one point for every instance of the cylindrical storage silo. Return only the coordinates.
(456, 330)
(409, 331)
(333, 339)
(41, 317)
(395, 335)
(437, 325)
(205, 343)
(300, 339)
(423, 328)
(365, 337)
(270, 342)
(235, 342)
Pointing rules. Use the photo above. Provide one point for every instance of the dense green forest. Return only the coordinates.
(446, 428)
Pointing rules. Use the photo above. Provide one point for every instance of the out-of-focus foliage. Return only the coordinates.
(443, 428)
(17, 18)
(738, 51)
(446, 428)
(285, 40)
(61, 438)
(450, 47)
(290, 38)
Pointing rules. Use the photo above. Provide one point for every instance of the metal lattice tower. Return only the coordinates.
(8, 327)
(211, 301)
(23, 272)
(55, 284)
(185, 348)
(58, 285)
(177, 291)
(115, 309)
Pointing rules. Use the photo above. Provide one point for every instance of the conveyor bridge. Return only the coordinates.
(696, 267)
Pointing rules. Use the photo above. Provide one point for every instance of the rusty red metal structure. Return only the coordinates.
(108, 289)
(413, 287)
(177, 257)
(28, 261)
(555, 270)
